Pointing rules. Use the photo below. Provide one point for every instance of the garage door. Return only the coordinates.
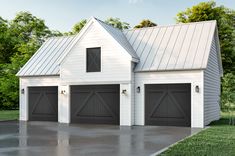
(43, 103)
(168, 104)
(97, 104)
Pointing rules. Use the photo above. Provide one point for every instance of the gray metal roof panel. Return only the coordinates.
(44, 61)
(173, 47)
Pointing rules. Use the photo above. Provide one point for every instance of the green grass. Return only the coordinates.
(218, 140)
(9, 114)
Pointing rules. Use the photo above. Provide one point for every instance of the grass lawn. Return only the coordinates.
(218, 140)
(9, 114)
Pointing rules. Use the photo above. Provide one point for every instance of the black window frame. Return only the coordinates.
(94, 61)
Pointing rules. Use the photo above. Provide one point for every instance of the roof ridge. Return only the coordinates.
(107, 24)
(170, 25)
(58, 37)
(117, 34)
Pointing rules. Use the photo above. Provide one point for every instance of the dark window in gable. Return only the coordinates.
(93, 60)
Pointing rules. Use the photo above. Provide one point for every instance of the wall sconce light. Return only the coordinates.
(124, 91)
(63, 92)
(22, 91)
(197, 89)
(138, 89)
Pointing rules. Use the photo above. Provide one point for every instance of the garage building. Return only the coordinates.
(162, 75)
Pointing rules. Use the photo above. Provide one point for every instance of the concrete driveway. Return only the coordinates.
(54, 139)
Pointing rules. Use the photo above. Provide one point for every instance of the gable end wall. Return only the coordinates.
(115, 62)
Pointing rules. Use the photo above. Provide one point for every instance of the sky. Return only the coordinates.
(63, 14)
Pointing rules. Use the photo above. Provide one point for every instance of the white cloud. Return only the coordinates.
(135, 1)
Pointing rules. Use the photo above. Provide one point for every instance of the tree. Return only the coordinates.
(78, 27)
(28, 27)
(23, 36)
(228, 96)
(6, 44)
(117, 23)
(225, 18)
(228, 92)
(145, 23)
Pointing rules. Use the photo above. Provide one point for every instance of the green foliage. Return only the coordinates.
(20, 38)
(117, 23)
(9, 88)
(228, 92)
(28, 27)
(145, 23)
(6, 44)
(225, 18)
(78, 27)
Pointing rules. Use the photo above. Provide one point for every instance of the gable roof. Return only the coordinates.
(173, 47)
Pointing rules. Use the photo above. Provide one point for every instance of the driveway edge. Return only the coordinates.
(166, 148)
(8, 120)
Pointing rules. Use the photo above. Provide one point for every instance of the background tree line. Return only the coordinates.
(21, 37)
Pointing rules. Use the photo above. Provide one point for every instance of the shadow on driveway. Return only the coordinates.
(54, 139)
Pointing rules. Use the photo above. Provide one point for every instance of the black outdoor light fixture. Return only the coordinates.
(63, 92)
(22, 91)
(197, 88)
(124, 91)
(138, 89)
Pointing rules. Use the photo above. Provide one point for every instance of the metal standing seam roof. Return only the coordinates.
(45, 60)
(173, 47)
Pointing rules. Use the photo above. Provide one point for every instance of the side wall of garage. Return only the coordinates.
(171, 77)
(212, 86)
(26, 82)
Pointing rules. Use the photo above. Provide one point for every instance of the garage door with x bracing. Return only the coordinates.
(168, 104)
(43, 103)
(97, 104)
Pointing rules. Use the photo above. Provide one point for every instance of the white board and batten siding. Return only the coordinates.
(171, 77)
(115, 62)
(212, 86)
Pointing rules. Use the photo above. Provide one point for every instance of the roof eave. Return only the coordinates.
(168, 70)
(136, 60)
(51, 75)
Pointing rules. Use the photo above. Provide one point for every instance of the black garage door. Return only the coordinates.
(43, 103)
(98, 104)
(168, 104)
